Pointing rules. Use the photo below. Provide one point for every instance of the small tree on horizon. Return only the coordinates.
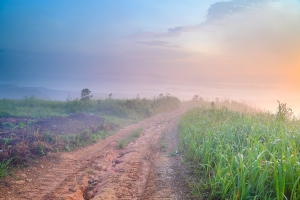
(85, 95)
(195, 97)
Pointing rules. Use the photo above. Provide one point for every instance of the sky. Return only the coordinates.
(247, 50)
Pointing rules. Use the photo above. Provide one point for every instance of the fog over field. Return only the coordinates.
(245, 50)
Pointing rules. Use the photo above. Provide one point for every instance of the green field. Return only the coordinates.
(239, 155)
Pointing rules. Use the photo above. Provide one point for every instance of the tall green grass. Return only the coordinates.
(31, 107)
(243, 156)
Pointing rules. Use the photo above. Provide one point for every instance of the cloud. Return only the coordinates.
(171, 32)
(159, 43)
(222, 10)
(240, 43)
(217, 13)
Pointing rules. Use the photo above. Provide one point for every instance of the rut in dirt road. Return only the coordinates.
(101, 171)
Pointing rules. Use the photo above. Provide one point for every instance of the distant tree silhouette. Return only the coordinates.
(85, 95)
(195, 98)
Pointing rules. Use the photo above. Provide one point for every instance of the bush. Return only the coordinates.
(74, 106)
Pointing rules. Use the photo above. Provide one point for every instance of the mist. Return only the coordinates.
(240, 50)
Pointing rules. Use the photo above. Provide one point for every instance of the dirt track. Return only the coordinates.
(101, 171)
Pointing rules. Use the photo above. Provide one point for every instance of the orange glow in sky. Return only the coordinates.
(239, 49)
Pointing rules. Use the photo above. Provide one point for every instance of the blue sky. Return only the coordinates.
(42, 37)
(232, 49)
(69, 25)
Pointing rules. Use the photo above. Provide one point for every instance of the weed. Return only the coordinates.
(41, 149)
(6, 140)
(130, 138)
(283, 112)
(21, 125)
(122, 143)
(90, 171)
(174, 153)
(163, 145)
(4, 168)
(136, 133)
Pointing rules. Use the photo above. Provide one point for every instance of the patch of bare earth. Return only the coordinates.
(142, 170)
(168, 175)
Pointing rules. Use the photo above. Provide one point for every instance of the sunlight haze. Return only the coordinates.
(245, 50)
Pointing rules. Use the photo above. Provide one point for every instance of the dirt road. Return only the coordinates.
(149, 168)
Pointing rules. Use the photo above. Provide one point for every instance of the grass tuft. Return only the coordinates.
(4, 168)
(130, 138)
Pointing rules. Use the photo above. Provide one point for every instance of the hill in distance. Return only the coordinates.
(15, 92)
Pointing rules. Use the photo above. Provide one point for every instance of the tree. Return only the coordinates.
(85, 95)
(195, 98)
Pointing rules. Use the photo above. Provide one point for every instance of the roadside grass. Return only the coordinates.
(240, 106)
(240, 155)
(71, 142)
(130, 138)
